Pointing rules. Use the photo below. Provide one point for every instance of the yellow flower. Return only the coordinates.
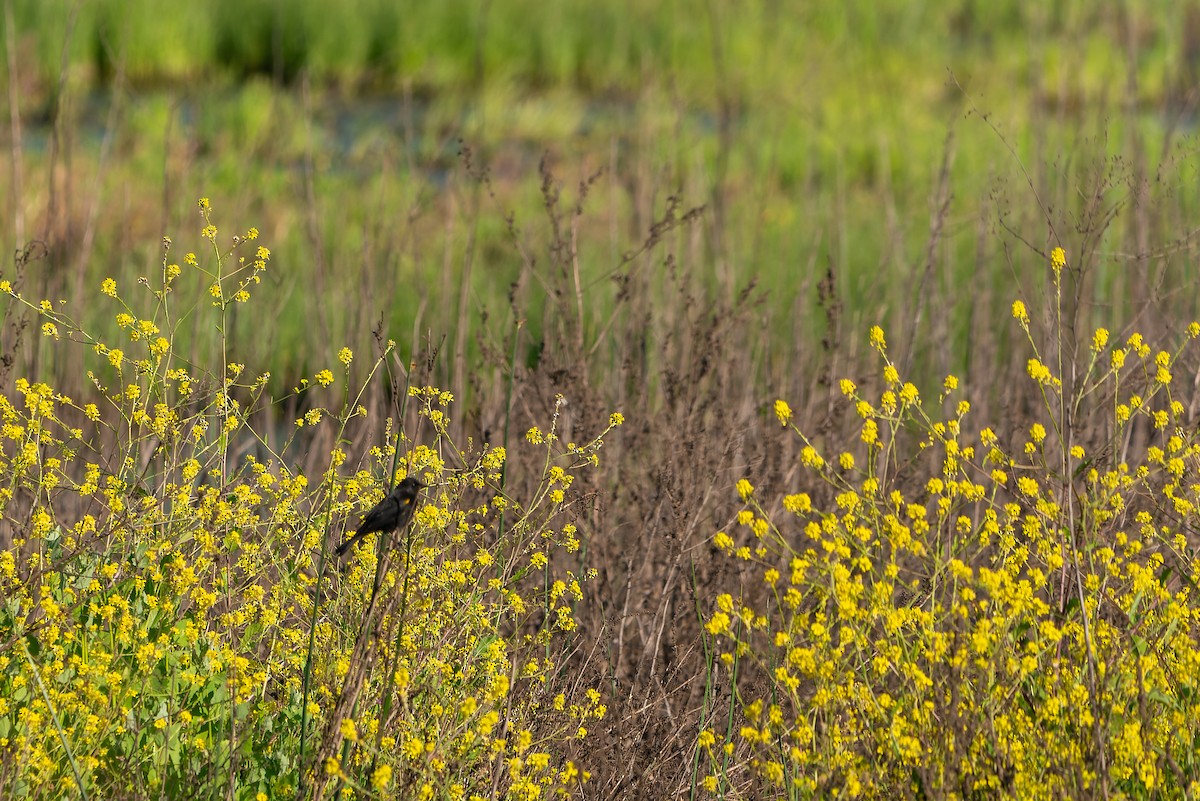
(345, 356)
(1038, 371)
(797, 504)
(109, 287)
(1019, 312)
(381, 777)
(616, 419)
(1099, 339)
(1058, 260)
(783, 412)
(745, 489)
(348, 730)
(810, 458)
(877, 340)
(413, 747)
(718, 625)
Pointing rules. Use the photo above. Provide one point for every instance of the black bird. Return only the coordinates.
(393, 512)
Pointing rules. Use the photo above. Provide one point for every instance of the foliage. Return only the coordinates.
(815, 133)
(173, 621)
(1025, 624)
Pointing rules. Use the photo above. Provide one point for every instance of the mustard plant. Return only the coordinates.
(1022, 626)
(173, 623)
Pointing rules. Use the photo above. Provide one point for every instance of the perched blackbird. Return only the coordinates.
(393, 512)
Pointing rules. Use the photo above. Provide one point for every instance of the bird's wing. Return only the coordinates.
(405, 512)
(377, 519)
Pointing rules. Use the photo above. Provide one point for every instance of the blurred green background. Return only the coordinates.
(921, 158)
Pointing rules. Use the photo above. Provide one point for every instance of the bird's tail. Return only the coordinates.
(345, 546)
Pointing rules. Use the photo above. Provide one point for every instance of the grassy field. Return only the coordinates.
(807, 394)
(844, 139)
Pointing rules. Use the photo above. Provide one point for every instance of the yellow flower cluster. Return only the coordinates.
(175, 600)
(986, 625)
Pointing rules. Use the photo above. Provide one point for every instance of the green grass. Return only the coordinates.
(813, 134)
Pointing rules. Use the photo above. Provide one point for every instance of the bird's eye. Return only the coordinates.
(407, 501)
